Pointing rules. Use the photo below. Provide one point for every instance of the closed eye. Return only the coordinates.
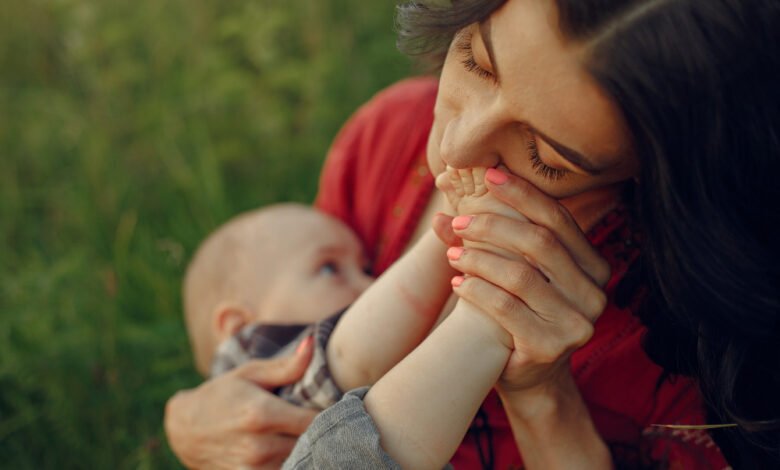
(463, 46)
(541, 168)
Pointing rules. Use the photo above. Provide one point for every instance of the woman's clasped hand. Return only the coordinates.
(548, 299)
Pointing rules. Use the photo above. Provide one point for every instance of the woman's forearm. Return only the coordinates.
(392, 316)
(423, 407)
(553, 428)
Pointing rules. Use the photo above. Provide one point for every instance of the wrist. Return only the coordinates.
(553, 428)
(543, 402)
(479, 325)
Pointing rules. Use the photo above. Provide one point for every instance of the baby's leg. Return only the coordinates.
(426, 431)
(468, 195)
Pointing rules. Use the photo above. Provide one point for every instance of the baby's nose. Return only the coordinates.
(361, 282)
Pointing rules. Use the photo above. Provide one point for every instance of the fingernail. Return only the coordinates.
(462, 221)
(496, 176)
(454, 252)
(304, 345)
(457, 281)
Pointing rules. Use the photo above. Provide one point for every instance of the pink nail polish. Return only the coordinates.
(305, 344)
(461, 222)
(457, 281)
(454, 252)
(496, 176)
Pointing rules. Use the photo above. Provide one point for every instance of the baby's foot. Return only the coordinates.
(468, 195)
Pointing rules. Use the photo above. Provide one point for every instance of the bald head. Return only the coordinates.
(260, 266)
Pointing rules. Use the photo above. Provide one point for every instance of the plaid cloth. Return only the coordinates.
(316, 389)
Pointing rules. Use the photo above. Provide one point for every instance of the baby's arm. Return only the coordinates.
(424, 405)
(392, 317)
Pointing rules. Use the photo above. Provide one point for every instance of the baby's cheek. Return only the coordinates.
(339, 296)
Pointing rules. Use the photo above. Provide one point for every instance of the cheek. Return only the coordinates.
(435, 164)
(336, 299)
(448, 102)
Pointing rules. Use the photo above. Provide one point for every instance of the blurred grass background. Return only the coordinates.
(128, 130)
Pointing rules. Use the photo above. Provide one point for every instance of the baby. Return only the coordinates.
(268, 279)
(280, 265)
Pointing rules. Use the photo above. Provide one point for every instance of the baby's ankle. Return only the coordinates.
(479, 323)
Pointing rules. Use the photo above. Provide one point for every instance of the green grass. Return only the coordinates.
(128, 130)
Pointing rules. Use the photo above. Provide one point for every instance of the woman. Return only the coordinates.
(669, 107)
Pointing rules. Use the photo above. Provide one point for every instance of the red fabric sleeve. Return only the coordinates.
(374, 179)
(366, 172)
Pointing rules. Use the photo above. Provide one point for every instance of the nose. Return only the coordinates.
(361, 281)
(469, 138)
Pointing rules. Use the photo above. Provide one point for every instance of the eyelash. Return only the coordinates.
(463, 45)
(539, 166)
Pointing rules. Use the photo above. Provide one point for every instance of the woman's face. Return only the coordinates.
(514, 91)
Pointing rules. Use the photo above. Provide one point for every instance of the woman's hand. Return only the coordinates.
(549, 300)
(232, 421)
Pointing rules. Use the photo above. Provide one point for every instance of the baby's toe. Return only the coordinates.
(467, 180)
(478, 175)
(456, 182)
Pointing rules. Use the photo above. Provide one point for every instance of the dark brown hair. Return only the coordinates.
(698, 82)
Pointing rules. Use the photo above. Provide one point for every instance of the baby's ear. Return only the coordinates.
(229, 318)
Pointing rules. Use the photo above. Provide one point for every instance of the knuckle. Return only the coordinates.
(256, 416)
(549, 352)
(602, 272)
(503, 305)
(598, 302)
(542, 239)
(582, 333)
(579, 331)
(523, 190)
(558, 216)
(522, 278)
(483, 224)
(173, 403)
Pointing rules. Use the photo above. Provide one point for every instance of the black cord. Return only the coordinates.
(482, 425)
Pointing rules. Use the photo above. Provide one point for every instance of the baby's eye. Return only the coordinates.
(329, 269)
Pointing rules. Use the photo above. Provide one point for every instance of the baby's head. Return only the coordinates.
(281, 264)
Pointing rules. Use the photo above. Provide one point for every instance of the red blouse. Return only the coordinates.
(376, 180)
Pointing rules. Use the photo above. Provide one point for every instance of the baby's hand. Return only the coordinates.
(467, 194)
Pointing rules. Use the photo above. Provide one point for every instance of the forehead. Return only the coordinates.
(302, 234)
(543, 77)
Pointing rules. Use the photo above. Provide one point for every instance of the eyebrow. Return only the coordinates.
(574, 157)
(331, 250)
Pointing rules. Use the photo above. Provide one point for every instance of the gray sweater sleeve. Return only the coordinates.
(342, 437)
